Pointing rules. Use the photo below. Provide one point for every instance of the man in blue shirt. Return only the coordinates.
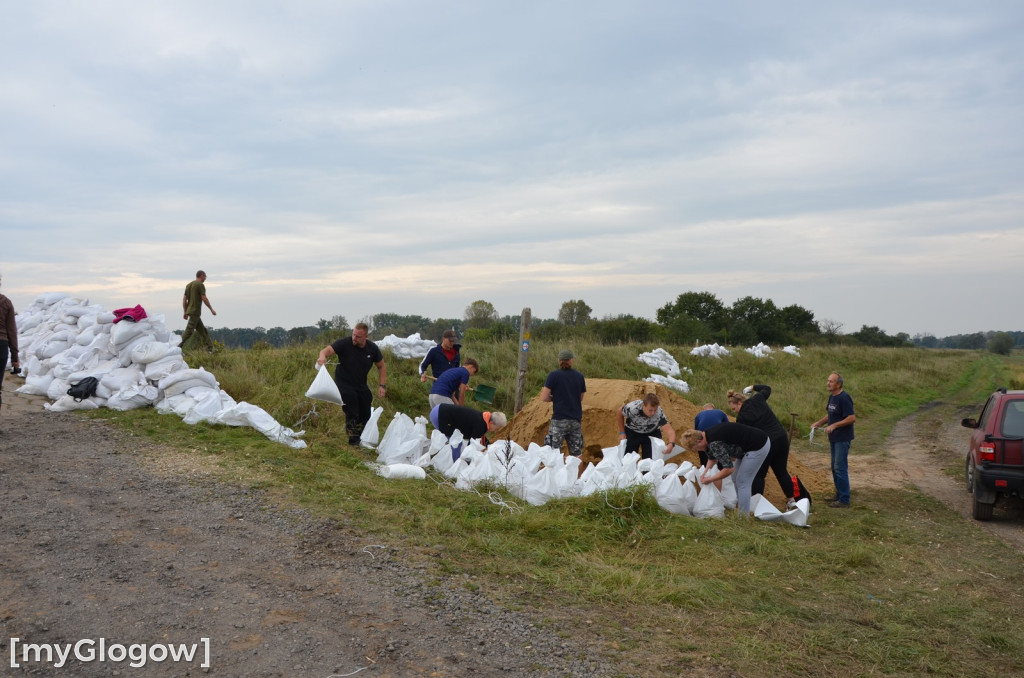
(839, 418)
(451, 386)
(564, 389)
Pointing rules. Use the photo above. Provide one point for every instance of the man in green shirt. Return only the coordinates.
(192, 305)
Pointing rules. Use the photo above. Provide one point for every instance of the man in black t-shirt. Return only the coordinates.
(356, 354)
(564, 388)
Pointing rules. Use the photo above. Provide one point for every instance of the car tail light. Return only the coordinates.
(1000, 483)
(987, 452)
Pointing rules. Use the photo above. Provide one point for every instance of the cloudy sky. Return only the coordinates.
(334, 157)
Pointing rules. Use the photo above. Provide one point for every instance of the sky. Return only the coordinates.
(863, 160)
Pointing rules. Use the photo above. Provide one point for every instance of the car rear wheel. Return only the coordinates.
(981, 510)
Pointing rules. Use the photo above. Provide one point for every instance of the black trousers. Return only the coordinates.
(640, 441)
(778, 461)
(357, 408)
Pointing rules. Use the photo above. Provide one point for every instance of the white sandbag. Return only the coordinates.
(126, 331)
(51, 348)
(208, 403)
(120, 378)
(246, 414)
(401, 471)
(765, 510)
(57, 389)
(542, 488)
(676, 495)
(166, 366)
(182, 380)
(709, 503)
(729, 497)
(36, 384)
(68, 404)
(371, 433)
(324, 387)
(397, 433)
(180, 405)
(146, 352)
(50, 298)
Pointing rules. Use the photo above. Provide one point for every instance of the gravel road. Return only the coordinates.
(100, 545)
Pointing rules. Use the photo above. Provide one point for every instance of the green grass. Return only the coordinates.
(898, 585)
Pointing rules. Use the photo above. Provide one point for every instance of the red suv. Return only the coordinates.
(995, 460)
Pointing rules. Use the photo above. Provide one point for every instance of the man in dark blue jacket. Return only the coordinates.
(442, 357)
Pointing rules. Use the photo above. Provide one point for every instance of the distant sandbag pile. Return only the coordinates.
(136, 360)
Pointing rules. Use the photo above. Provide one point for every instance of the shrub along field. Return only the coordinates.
(897, 585)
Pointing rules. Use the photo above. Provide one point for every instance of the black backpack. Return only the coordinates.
(84, 389)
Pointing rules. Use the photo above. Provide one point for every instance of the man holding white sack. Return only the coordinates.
(356, 354)
(641, 420)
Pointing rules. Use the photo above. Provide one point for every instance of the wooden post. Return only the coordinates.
(792, 424)
(524, 355)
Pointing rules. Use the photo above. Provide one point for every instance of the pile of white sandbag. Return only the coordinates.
(792, 350)
(760, 351)
(138, 364)
(411, 347)
(539, 473)
(710, 350)
(669, 382)
(662, 360)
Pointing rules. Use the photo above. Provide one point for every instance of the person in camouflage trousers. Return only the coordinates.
(564, 389)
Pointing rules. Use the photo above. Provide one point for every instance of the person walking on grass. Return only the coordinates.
(839, 418)
(452, 385)
(192, 305)
(356, 354)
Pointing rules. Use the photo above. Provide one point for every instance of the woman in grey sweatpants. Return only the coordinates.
(739, 451)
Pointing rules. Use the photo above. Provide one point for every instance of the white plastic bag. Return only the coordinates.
(709, 503)
(676, 495)
(401, 471)
(371, 434)
(324, 388)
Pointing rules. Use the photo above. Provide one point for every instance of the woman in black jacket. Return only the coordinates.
(753, 410)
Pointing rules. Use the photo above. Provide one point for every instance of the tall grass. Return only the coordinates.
(885, 588)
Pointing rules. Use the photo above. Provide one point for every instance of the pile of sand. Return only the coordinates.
(605, 396)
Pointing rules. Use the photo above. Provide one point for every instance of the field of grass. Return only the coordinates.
(897, 585)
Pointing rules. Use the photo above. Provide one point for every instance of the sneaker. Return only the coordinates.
(791, 504)
(840, 504)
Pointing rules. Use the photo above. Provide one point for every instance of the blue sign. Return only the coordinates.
(526, 346)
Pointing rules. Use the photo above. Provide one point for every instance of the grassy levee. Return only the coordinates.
(897, 585)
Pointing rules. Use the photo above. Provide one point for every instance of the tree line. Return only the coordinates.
(692, 318)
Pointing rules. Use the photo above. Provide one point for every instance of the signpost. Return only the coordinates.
(524, 356)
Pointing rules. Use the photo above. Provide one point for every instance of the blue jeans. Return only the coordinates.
(840, 470)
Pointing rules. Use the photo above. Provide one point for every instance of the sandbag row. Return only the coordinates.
(539, 473)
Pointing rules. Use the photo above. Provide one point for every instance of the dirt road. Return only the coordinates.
(101, 541)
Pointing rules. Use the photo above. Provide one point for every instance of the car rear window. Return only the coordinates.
(1013, 419)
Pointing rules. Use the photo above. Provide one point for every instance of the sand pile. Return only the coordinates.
(605, 396)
